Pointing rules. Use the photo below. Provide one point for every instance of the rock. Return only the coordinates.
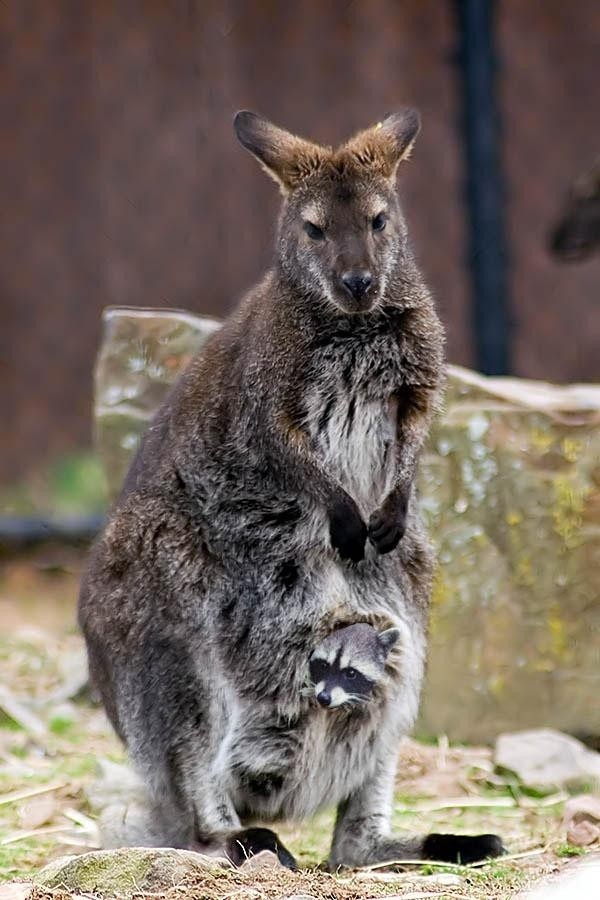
(263, 860)
(578, 881)
(142, 352)
(126, 871)
(582, 820)
(585, 807)
(37, 811)
(510, 486)
(15, 890)
(583, 834)
(547, 760)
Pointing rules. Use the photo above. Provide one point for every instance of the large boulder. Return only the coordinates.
(511, 488)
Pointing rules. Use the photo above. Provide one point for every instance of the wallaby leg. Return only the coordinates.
(362, 830)
(170, 732)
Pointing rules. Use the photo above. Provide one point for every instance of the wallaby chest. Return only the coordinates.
(352, 413)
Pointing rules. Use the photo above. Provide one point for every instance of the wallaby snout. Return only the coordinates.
(357, 282)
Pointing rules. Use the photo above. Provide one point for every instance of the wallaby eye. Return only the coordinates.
(313, 231)
(379, 222)
(350, 673)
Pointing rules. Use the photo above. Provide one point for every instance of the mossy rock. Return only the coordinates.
(126, 871)
(510, 487)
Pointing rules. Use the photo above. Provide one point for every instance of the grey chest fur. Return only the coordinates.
(351, 417)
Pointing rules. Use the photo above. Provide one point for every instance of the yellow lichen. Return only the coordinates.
(569, 503)
(571, 449)
(524, 575)
(541, 441)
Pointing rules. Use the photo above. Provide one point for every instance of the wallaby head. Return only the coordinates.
(341, 229)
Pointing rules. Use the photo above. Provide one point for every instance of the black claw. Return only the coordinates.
(462, 849)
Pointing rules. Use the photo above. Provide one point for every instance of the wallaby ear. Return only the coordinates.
(388, 638)
(401, 128)
(384, 146)
(284, 156)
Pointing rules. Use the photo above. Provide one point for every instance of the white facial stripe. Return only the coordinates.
(322, 656)
(338, 697)
(319, 687)
(370, 671)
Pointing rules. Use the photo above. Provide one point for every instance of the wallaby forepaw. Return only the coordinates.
(347, 531)
(462, 848)
(386, 530)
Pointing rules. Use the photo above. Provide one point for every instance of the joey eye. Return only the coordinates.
(318, 669)
(313, 231)
(379, 222)
(350, 673)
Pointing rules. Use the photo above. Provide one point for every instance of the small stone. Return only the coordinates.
(37, 811)
(15, 890)
(583, 834)
(585, 807)
(547, 760)
(263, 860)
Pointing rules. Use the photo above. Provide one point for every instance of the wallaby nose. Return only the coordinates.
(324, 698)
(357, 283)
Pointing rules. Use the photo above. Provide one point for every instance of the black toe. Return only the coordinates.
(462, 849)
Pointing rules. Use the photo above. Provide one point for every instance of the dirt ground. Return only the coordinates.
(53, 737)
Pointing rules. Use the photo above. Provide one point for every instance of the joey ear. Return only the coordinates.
(284, 156)
(388, 638)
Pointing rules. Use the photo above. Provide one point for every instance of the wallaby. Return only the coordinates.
(270, 501)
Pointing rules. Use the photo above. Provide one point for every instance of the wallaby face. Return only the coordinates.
(341, 229)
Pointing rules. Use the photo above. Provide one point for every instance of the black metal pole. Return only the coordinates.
(21, 532)
(484, 185)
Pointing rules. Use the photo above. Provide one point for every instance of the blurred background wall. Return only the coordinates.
(121, 181)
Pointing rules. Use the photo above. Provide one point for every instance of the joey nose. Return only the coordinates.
(357, 282)
(324, 698)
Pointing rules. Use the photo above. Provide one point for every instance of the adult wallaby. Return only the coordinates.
(272, 500)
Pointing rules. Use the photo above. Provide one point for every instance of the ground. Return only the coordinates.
(52, 738)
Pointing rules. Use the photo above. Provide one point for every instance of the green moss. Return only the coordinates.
(61, 725)
(566, 850)
(117, 873)
(7, 723)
